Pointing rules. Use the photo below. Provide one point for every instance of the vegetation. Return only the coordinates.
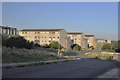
(55, 45)
(18, 49)
(97, 55)
(75, 47)
(91, 47)
(113, 47)
(17, 42)
(23, 55)
(106, 46)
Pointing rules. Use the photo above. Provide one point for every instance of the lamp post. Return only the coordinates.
(59, 48)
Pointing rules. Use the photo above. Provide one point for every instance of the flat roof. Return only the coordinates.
(41, 29)
(99, 39)
(89, 35)
(75, 32)
(7, 27)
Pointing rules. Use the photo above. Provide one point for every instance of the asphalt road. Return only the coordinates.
(84, 68)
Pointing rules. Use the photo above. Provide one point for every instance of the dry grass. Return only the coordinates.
(97, 55)
(23, 55)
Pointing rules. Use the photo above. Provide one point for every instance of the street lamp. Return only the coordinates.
(59, 47)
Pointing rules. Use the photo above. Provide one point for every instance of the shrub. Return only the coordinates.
(55, 45)
(76, 47)
(106, 46)
(18, 42)
(91, 47)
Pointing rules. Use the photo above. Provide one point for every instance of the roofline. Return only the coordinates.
(7, 27)
(41, 29)
(75, 33)
(89, 35)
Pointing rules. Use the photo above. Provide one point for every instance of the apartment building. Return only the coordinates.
(91, 40)
(78, 38)
(8, 30)
(85, 43)
(46, 36)
(103, 41)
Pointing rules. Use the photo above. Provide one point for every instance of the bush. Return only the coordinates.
(91, 47)
(36, 45)
(117, 50)
(46, 46)
(18, 42)
(55, 45)
(75, 47)
(106, 46)
(24, 55)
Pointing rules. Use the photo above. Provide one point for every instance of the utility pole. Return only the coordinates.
(59, 47)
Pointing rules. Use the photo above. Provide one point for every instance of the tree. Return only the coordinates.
(91, 47)
(106, 46)
(36, 45)
(76, 47)
(114, 45)
(55, 45)
(18, 42)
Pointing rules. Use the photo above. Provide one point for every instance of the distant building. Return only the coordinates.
(46, 36)
(108, 41)
(78, 38)
(103, 41)
(8, 30)
(91, 40)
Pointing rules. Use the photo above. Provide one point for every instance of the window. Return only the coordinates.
(38, 37)
(49, 41)
(38, 32)
(35, 36)
(50, 38)
(88, 40)
(25, 37)
(53, 38)
(25, 32)
(52, 32)
(35, 32)
(22, 32)
(58, 37)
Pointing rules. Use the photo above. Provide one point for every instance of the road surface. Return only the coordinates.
(84, 68)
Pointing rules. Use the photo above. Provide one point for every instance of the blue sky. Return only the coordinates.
(98, 18)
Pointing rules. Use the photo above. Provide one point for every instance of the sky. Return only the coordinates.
(97, 18)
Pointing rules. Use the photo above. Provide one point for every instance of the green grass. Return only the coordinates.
(20, 55)
(97, 55)
(109, 50)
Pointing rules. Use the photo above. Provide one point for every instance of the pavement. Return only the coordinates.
(113, 73)
(83, 68)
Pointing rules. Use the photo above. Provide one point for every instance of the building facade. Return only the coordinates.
(78, 38)
(8, 30)
(46, 36)
(103, 41)
(91, 41)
